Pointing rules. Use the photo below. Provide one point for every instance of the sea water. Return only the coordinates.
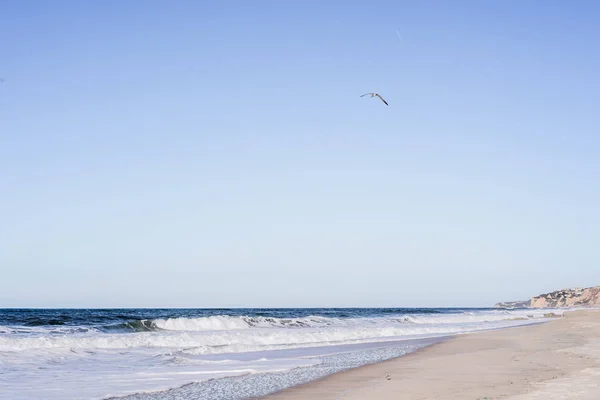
(213, 354)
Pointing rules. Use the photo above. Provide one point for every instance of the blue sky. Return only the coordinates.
(184, 153)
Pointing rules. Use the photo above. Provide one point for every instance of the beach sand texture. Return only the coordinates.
(551, 361)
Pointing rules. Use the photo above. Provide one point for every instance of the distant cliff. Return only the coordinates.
(577, 297)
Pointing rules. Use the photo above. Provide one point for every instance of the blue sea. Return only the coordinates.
(213, 354)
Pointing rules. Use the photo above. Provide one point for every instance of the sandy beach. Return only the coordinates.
(559, 359)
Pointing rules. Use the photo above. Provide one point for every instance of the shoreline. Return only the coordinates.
(246, 384)
(223, 355)
(208, 387)
(542, 359)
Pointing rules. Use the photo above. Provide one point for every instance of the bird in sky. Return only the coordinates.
(376, 95)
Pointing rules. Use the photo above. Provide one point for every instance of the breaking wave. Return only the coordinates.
(226, 334)
(226, 323)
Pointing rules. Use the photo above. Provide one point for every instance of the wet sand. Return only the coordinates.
(556, 360)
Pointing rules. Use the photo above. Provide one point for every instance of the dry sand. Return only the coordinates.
(551, 361)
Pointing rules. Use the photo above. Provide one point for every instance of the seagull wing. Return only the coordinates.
(365, 94)
(382, 99)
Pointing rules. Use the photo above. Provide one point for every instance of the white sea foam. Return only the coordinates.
(73, 363)
(244, 322)
(223, 322)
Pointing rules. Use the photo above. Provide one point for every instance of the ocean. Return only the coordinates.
(212, 354)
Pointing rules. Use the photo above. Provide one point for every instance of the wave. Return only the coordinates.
(218, 342)
(244, 322)
(226, 323)
(226, 334)
(45, 330)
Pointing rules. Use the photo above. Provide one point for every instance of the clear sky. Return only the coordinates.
(217, 154)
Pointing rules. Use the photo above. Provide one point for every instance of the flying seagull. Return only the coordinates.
(374, 95)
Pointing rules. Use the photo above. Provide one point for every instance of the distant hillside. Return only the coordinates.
(575, 297)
